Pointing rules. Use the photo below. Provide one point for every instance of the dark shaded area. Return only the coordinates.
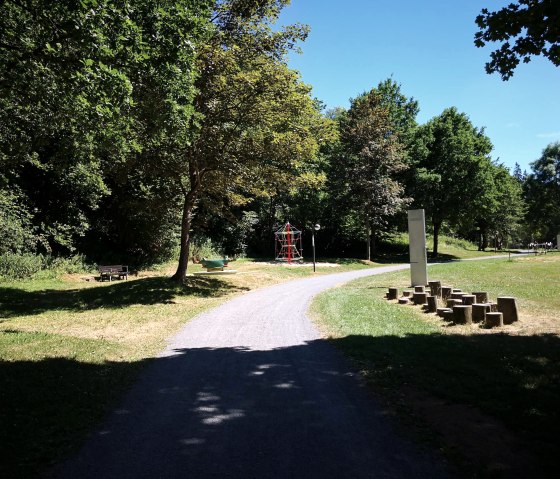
(281, 413)
(513, 378)
(48, 406)
(203, 412)
(118, 294)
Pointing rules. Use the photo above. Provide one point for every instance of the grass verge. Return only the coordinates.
(510, 375)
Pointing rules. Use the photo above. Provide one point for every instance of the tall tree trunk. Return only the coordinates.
(484, 240)
(188, 206)
(437, 225)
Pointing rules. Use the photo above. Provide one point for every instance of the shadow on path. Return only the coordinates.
(205, 412)
(286, 412)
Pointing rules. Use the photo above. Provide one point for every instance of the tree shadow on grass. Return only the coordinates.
(146, 291)
(515, 379)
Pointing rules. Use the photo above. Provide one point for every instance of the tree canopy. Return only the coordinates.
(451, 162)
(526, 28)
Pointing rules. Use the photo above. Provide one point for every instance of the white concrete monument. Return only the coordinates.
(417, 248)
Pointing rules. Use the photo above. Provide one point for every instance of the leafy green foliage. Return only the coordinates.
(256, 120)
(89, 90)
(533, 24)
(19, 266)
(452, 169)
(542, 189)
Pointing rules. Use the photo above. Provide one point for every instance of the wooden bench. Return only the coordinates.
(115, 270)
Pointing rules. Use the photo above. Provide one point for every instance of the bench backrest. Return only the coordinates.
(114, 268)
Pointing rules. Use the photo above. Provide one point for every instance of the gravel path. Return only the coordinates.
(249, 390)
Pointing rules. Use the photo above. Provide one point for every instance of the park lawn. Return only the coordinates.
(511, 374)
(70, 346)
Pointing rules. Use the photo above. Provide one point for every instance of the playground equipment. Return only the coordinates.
(214, 266)
(288, 244)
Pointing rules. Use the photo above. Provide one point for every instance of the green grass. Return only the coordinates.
(70, 347)
(513, 375)
(449, 249)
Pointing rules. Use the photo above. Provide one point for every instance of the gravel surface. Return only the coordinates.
(249, 390)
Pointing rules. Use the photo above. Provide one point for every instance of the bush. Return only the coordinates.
(70, 265)
(19, 266)
(204, 248)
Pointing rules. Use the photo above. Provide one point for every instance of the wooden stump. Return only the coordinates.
(406, 293)
(446, 292)
(420, 298)
(479, 311)
(448, 315)
(493, 320)
(493, 307)
(435, 288)
(462, 314)
(393, 293)
(481, 297)
(432, 304)
(419, 289)
(456, 290)
(440, 311)
(457, 296)
(404, 301)
(508, 307)
(468, 298)
(453, 302)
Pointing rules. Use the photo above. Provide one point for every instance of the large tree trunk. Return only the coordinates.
(437, 226)
(188, 206)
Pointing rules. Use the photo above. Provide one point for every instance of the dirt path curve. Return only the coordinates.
(249, 390)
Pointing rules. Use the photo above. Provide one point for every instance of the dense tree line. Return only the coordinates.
(128, 129)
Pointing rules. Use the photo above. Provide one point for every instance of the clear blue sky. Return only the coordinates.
(427, 46)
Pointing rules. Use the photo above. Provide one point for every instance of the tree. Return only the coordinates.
(451, 166)
(500, 207)
(542, 191)
(369, 156)
(402, 110)
(255, 120)
(84, 88)
(533, 24)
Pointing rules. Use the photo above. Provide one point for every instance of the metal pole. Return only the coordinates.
(313, 245)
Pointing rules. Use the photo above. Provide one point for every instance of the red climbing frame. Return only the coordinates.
(288, 244)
